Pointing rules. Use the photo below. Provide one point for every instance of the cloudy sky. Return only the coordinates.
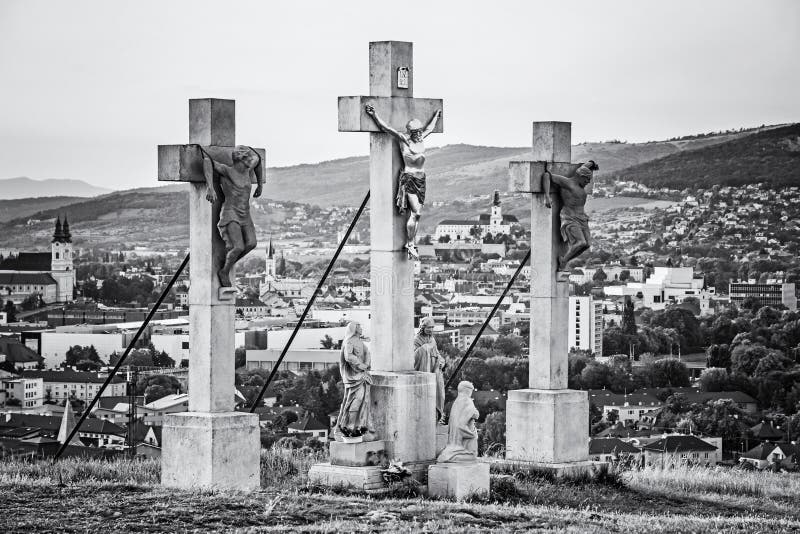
(89, 88)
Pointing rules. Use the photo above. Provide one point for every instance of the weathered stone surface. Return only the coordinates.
(548, 366)
(366, 453)
(385, 57)
(184, 163)
(458, 481)
(552, 141)
(526, 176)
(211, 450)
(547, 426)
(441, 437)
(392, 309)
(212, 121)
(578, 470)
(404, 412)
(396, 111)
(366, 478)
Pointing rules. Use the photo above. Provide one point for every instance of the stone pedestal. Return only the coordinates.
(368, 479)
(547, 426)
(404, 412)
(458, 481)
(366, 453)
(211, 450)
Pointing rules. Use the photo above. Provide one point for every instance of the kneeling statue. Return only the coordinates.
(462, 436)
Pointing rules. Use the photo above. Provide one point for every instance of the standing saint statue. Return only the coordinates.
(574, 221)
(462, 436)
(428, 359)
(235, 223)
(354, 365)
(411, 188)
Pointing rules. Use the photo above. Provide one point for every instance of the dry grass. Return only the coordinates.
(124, 496)
(696, 480)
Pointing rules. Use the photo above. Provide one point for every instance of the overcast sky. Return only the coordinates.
(89, 88)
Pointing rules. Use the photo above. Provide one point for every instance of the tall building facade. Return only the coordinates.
(766, 294)
(586, 324)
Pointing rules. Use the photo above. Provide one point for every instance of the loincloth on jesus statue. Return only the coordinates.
(410, 183)
(575, 223)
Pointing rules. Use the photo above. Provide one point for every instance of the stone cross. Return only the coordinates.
(547, 423)
(404, 400)
(210, 445)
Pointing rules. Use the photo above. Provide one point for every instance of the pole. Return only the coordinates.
(116, 368)
(488, 318)
(311, 300)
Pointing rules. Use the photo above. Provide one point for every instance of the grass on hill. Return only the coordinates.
(124, 496)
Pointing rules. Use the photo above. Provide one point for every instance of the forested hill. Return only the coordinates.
(771, 156)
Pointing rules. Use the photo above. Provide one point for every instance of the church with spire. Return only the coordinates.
(50, 275)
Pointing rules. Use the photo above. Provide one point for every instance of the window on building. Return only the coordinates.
(185, 345)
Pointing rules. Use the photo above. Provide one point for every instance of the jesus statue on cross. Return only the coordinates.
(411, 190)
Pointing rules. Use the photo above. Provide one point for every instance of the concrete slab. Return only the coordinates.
(458, 481)
(547, 426)
(366, 453)
(211, 450)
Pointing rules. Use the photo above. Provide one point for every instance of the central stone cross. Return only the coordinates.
(547, 424)
(211, 445)
(403, 400)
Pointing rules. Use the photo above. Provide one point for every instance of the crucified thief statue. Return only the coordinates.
(411, 190)
(235, 224)
(574, 221)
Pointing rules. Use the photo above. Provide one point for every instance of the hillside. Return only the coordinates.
(771, 156)
(458, 172)
(461, 176)
(24, 187)
(22, 207)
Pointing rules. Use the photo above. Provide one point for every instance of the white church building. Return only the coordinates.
(471, 229)
(48, 274)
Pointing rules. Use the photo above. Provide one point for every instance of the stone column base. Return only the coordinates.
(368, 479)
(547, 426)
(366, 453)
(586, 469)
(458, 480)
(404, 412)
(211, 450)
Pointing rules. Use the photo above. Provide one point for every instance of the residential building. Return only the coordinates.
(18, 356)
(769, 453)
(612, 450)
(774, 294)
(297, 360)
(28, 391)
(667, 285)
(308, 424)
(680, 449)
(62, 385)
(585, 331)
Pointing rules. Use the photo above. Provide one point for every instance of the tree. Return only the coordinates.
(668, 372)
(718, 355)
(328, 343)
(685, 324)
(628, 318)
(509, 345)
(600, 275)
(154, 387)
(746, 356)
(240, 357)
(624, 275)
(596, 375)
(714, 379)
(78, 353)
(31, 302)
(10, 311)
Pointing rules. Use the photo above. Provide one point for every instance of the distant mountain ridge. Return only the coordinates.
(771, 156)
(457, 176)
(24, 187)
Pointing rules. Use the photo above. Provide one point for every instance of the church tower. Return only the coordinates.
(496, 219)
(62, 267)
(271, 261)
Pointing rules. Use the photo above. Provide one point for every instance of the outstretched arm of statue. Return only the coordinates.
(385, 128)
(208, 171)
(432, 124)
(259, 172)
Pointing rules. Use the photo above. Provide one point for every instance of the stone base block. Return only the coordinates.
(585, 469)
(404, 412)
(458, 481)
(547, 426)
(211, 450)
(441, 437)
(365, 453)
(364, 478)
